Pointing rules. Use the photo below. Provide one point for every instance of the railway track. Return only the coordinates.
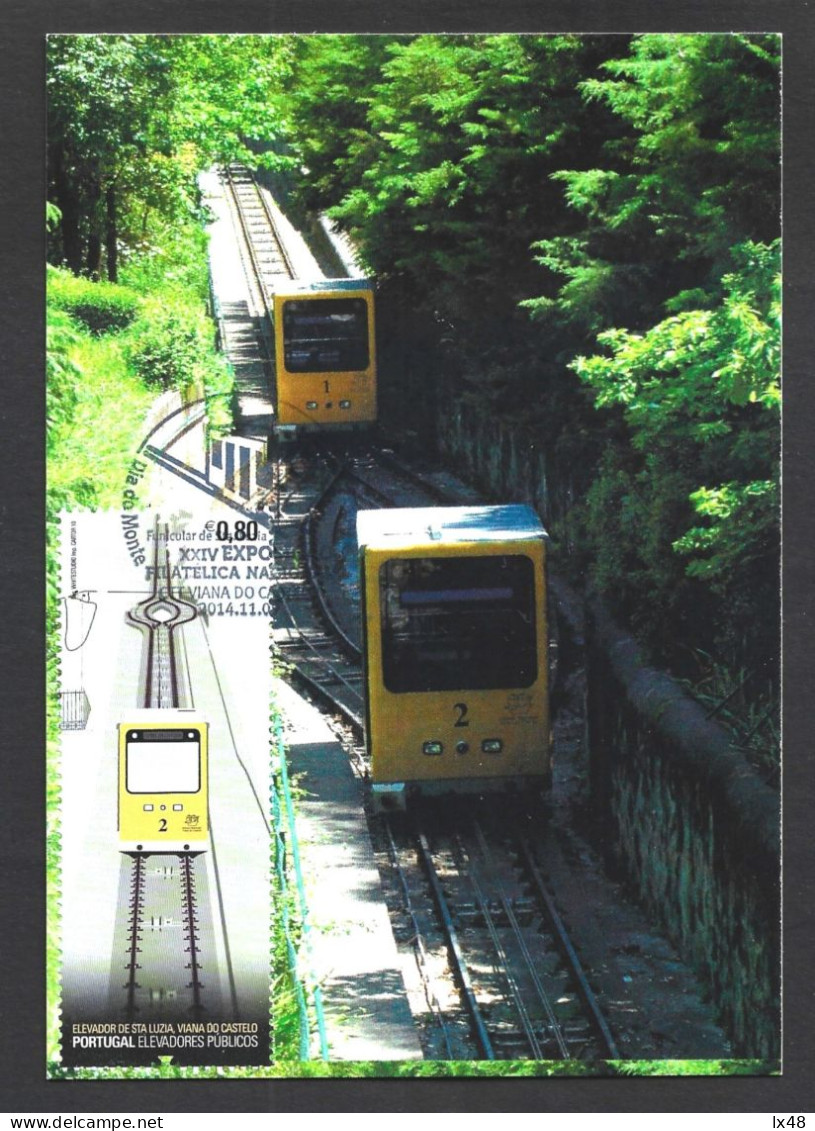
(493, 978)
(163, 946)
(164, 681)
(499, 977)
(266, 260)
(304, 634)
(163, 928)
(521, 984)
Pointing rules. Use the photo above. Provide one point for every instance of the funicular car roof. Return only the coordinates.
(404, 527)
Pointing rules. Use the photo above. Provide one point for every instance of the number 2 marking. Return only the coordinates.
(162, 824)
(462, 720)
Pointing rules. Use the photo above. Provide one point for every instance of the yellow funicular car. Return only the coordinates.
(455, 649)
(325, 355)
(163, 782)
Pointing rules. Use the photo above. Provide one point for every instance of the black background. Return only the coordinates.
(23, 1087)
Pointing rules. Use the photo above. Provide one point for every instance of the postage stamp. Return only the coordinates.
(165, 783)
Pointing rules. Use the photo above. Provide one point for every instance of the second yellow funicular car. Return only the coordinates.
(456, 650)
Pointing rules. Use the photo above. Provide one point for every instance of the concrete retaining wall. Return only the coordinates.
(506, 461)
(695, 829)
(171, 403)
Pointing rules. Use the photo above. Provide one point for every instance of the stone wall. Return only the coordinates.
(507, 461)
(694, 828)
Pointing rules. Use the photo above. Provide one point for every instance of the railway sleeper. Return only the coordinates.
(514, 1044)
(471, 916)
(312, 642)
(578, 1030)
(569, 1008)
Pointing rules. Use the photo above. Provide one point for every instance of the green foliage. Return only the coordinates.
(691, 171)
(439, 167)
(92, 422)
(173, 259)
(101, 307)
(133, 119)
(704, 111)
(441, 1068)
(172, 346)
(699, 1067)
(61, 371)
(168, 348)
(687, 513)
(699, 362)
(224, 95)
(503, 1068)
(746, 702)
(739, 516)
(705, 384)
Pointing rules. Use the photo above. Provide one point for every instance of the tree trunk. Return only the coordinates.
(67, 200)
(110, 235)
(93, 261)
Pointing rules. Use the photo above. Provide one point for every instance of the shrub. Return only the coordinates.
(101, 307)
(172, 346)
(62, 373)
(167, 348)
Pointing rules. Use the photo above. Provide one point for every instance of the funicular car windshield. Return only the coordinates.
(450, 624)
(325, 335)
(163, 761)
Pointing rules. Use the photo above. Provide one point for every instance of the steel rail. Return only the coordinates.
(136, 944)
(303, 640)
(191, 928)
(249, 238)
(316, 685)
(438, 494)
(556, 923)
(460, 972)
(506, 904)
(505, 967)
(160, 677)
(343, 474)
(170, 624)
(272, 224)
(252, 270)
(136, 897)
(419, 948)
(385, 500)
(321, 692)
(349, 645)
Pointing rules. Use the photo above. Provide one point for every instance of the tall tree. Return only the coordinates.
(440, 161)
(107, 99)
(695, 172)
(133, 119)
